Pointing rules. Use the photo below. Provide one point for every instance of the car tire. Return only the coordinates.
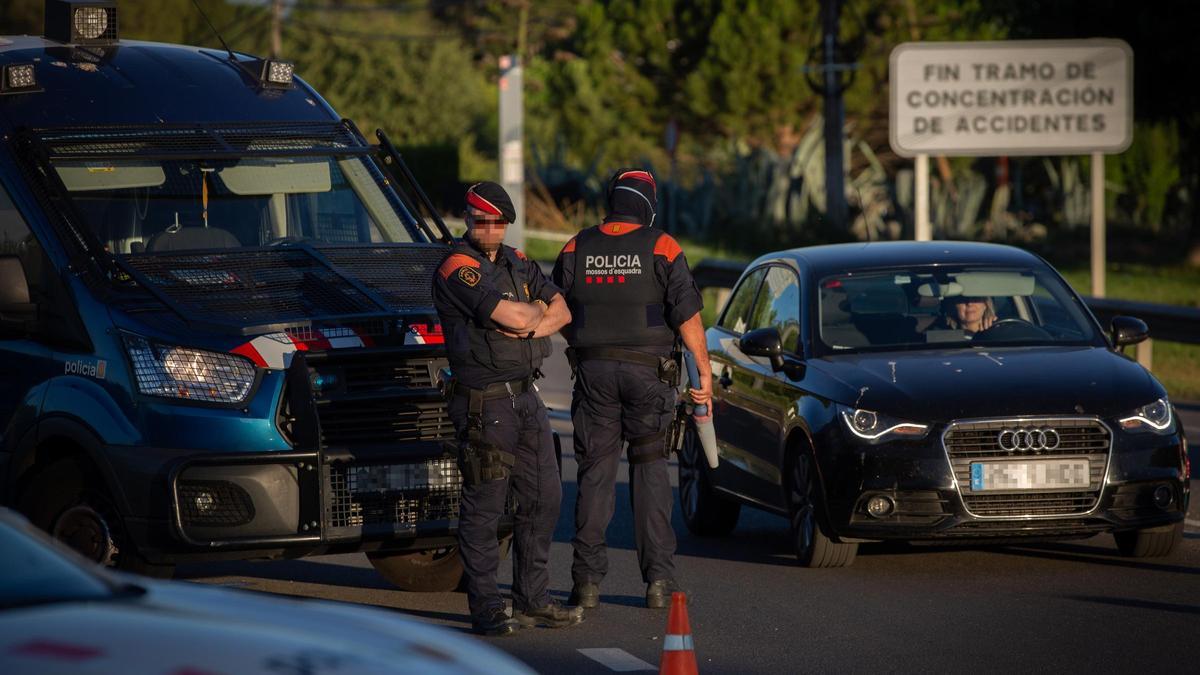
(813, 547)
(704, 512)
(68, 501)
(433, 571)
(1153, 542)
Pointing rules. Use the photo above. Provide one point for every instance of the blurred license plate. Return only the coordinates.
(1035, 475)
(433, 474)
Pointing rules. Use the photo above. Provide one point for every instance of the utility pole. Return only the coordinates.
(835, 113)
(512, 141)
(276, 28)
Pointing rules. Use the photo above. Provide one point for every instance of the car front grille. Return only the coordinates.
(346, 424)
(1078, 438)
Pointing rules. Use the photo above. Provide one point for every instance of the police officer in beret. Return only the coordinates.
(631, 296)
(497, 311)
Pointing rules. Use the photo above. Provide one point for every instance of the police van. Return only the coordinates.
(217, 338)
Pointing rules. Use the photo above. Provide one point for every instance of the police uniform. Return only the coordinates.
(629, 289)
(496, 409)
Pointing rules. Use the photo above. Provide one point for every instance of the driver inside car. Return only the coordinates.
(970, 314)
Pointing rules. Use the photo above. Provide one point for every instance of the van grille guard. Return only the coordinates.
(166, 141)
(255, 291)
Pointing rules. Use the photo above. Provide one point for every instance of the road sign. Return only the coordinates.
(1036, 97)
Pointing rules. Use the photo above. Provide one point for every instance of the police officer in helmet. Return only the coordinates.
(631, 295)
(497, 311)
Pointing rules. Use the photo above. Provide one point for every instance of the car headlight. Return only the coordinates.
(873, 427)
(186, 373)
(1155, 416)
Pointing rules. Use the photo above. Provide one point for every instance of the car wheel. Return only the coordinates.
(813, 547)
(434, 571)
(1151, 542)
(704, 512)
(65, 500)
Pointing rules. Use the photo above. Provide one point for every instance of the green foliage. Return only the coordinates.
(1145, 173)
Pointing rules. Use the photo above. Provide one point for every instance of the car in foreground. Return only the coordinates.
(60, 613)
(940, 391)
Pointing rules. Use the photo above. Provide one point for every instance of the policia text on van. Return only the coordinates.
(216, 332)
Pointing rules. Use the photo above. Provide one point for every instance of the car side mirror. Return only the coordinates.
(1126, 330)
(763, 342)
(16, 309)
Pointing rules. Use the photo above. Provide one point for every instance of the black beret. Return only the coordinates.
(490, 198)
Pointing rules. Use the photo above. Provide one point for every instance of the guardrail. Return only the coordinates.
(1169, 323)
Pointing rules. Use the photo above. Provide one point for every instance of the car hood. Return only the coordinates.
(942, 385)
(179, 627)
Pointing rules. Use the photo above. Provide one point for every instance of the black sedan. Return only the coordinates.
(931, 391)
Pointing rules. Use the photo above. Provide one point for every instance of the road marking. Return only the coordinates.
(617, 660)
(1193, 523)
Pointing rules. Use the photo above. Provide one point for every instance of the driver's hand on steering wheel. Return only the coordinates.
(986, 322)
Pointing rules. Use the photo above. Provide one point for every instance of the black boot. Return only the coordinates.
(658, 593)
(585, 594)
(494, 622)
(552, 615)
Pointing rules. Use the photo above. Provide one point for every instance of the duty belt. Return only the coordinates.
(494, 390)
(578, 354)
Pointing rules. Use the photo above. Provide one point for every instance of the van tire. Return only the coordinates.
(433, 571)
(73, 505)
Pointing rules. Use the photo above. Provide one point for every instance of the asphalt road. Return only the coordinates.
(1071, 607)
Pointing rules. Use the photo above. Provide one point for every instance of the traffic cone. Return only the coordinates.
(678, 657)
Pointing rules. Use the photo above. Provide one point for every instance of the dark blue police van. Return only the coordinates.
(217, 338)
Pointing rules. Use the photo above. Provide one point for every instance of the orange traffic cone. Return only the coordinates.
(678, 657)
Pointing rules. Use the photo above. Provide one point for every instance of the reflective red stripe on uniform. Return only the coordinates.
(570, 247)
(520, 254)
(454, 262)
(619, 228)
(667, 247)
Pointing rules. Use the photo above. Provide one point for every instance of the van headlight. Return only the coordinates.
(873, 427)
(190, 374)
(1155, 416)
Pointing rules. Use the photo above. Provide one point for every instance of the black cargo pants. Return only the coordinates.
(520, 426)
(613, 402)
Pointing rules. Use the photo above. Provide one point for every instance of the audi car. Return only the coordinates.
(932, 391)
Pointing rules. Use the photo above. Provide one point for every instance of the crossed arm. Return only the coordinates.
(518, 318)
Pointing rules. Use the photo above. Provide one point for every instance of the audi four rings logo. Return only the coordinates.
(1028, 440)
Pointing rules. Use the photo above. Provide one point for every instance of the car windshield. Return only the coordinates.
(148, 206)
(936, 307)
(32, 572)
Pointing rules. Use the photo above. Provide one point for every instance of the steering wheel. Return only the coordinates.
(1012, 329)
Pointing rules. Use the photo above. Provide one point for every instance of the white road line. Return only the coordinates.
(1193, 523)
(616, 660)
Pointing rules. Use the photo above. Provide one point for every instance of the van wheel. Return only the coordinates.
(75, 508)
(1152, 542)
(704, 512)
(813, 547)
(434, 571)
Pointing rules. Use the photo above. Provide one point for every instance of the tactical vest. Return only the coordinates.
(616, 298)
(492, 356)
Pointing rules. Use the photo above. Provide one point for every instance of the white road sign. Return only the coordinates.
(1037, 97)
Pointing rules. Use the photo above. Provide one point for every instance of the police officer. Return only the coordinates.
(497, 311)
(631, 295)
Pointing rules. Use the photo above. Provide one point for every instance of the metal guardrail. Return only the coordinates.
(1169, 323)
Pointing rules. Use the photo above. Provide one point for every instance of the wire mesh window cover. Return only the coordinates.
(196, 141)
(192, 374)
(253, 287)
(402, 276)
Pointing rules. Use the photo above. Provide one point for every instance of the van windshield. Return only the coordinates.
(149, 206)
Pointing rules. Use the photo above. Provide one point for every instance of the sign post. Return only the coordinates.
(512, 160)
(1034, 97)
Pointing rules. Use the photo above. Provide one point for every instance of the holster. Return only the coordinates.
(678, 428)
(479, 461)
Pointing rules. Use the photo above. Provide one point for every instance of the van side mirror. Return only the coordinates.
(16, 310)
(763, 342)
(1126, 330)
